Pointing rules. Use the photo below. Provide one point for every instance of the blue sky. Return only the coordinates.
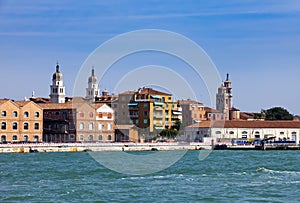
(257, 42)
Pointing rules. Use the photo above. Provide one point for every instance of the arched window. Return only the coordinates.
(15, 137)
(3, 113)
(36, 114)
(100, 137)
(257, 135)
(90, 137)
(81, 126)
(36, 126)
(109, 126)
(244, 134)
(91, 126)
(3, 126)
(231, 132)
(26, 114)
(81, 137)
(3, 139)
(25, 138)
(15, 114)
(15, 126)
(36, 138)
(218, 132)
(109, 137)
(25, 126)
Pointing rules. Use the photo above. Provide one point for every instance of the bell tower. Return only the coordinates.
(57, 89)
(224, 98)
(92, 90)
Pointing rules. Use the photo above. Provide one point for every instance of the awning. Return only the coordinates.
(132, 104)
(159, 128)
(158, 103)
(155, 96)
(177, 113)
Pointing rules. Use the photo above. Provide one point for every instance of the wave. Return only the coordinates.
(263, 169)
(153, 177)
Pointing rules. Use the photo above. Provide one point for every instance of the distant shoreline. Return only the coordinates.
(105, 147)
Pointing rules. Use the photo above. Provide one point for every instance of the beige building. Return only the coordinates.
(192, 111)
(21, 121)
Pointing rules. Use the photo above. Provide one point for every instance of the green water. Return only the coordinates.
(224, 176)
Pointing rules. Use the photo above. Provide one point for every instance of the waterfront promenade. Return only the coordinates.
(102, 147)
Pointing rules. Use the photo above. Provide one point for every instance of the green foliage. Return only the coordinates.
(277, 113)
(169, 133)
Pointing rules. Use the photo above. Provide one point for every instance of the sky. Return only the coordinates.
(256, 42)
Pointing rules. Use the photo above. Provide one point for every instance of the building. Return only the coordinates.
(57, 89)
(121, 108)
(92, 91)
(127, 133)
(59, 122)
(154, 110)
(254, 130)
(21, 121)
(192, 111)
(224, 98)
(213, 114)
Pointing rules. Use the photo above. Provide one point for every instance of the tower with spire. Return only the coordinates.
(57, 89)
(224, 98)
(92, 90)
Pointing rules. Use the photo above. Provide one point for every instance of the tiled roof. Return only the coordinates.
(68, 105)
(22, 103)
(127, 92)
(189, 101)
(234, 109)
(152, 91)
(248, 124)
(211, 110)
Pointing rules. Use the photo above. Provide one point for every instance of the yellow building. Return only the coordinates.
(21, 121)
(153, 110)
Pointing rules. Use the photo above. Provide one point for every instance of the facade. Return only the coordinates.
(95, 123)
(213, 114)
(224, 98)
(92, 91)
(57, 89)
(127, 133)
(121, 108)
(154, 110)
(192, 111)
(20, 121)
(59, 122)
(254, 130)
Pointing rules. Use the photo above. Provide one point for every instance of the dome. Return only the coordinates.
(93, 78)
(57, 75)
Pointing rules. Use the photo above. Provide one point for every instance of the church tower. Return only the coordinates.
(57, 89)
(92, 91)
(224, 98)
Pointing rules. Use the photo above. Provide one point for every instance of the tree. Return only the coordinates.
(277, 113)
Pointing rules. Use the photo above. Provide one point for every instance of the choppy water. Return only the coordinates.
(224, 176)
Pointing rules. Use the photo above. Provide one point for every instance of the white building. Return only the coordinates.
(224, 98)
(57, 89)
(225, 131)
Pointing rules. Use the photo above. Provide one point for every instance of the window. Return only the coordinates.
(145, 113)
(145, 121)
(91, 114)
(99, 126)
(218, 132)
(81, 126)
(109, 126)
(25, 138)
(109, 115)
(15, 126)
(100, 115)
(100, 137)
(137, 122)
(3, 125)
(15, 137)
(25, 126)
(231, 132)
(81, 137)
(15, 114)
(90, 137)
(3, 138)
(281, 133)
(36, 114)
(81, 114)
(26, 114)
(36, 138)
(3, 113)
(109, 137)
(91, 126)
(146, 105)
(36, 126)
